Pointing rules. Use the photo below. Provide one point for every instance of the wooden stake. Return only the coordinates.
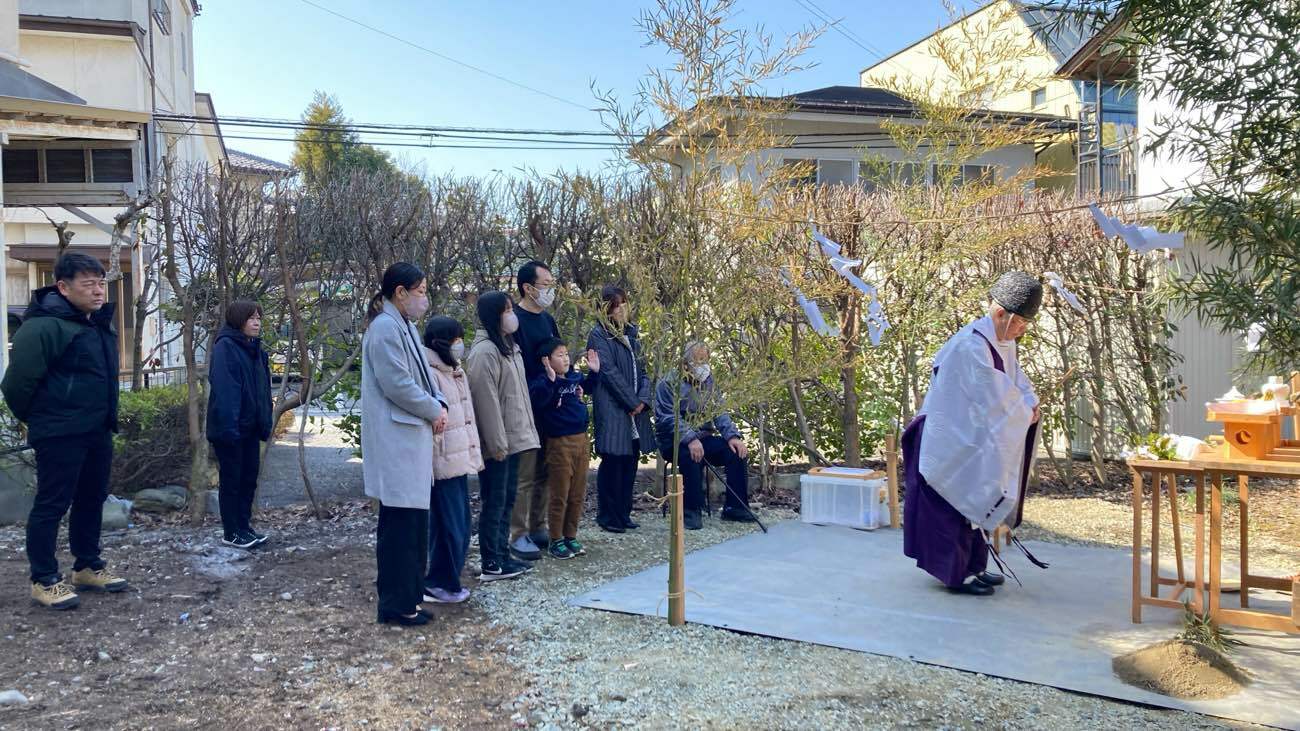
(891, 479)
(1243, 500)
(676, 558)
(1295, 419)
(1295, 601)
(1137, 546)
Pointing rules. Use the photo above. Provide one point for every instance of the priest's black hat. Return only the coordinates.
(1018, 292)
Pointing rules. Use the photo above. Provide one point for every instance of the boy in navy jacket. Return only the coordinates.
(557, 396)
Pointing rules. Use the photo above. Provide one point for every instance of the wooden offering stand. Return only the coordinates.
(1252, 446)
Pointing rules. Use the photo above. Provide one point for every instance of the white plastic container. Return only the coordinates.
(855, 498)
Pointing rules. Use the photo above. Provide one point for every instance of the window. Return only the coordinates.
(69, 165)
(945, 175)
(835, 172)
(799, 172)
(162, 13)
(953, 176)
(22, 166)
(873, 175)
(982, 174)
(65, 166)
(1038, 97)
(112, 166)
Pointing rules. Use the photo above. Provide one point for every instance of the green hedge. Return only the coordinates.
(152, 445)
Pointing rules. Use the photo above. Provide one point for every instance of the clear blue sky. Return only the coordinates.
(265, 58)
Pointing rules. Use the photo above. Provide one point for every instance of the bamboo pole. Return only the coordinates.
(676, 558)
(1295, 419)
(891, 479)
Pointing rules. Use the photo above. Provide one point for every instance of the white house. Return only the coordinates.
(80, 84)
(839, 133)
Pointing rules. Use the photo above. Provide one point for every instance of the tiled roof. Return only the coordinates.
(870, 101)
(245, 162)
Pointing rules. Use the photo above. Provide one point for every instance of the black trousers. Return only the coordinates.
(615, 481)
(71, 472)
(239, 463)
(497, 485)
(717, 452)
(401, 548)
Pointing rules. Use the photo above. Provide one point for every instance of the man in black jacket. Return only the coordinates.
(62, 382)
(528, 529)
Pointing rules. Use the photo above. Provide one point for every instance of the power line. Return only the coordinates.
(380, 126)
(381, 143)
(445, 57)
(876, 144)
(413, 130)
(854, 38)
(837, 26)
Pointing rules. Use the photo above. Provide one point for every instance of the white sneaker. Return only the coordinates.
(524, 548)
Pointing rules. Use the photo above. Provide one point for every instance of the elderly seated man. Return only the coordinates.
(688, 409)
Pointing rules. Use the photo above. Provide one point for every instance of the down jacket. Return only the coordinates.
(456, 451)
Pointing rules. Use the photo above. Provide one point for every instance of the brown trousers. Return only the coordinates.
(529, 513)
(567, 461)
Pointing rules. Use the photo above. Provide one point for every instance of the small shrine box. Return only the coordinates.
(1254, 435)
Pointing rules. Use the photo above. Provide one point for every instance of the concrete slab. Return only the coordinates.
(855, 590)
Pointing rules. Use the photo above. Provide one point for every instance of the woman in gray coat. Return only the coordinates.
(401, 410)
(621, 411)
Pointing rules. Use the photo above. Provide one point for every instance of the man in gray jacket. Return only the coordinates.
(688, 410)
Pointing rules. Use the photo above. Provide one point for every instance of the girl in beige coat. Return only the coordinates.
(504, 415)
(456, 456)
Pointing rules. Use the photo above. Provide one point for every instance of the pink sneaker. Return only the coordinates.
(439, 595)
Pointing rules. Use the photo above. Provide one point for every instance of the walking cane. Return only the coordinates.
(714, 471)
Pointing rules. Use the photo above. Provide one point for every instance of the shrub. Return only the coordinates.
(152, 445)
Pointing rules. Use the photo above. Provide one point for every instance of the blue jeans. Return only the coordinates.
(497, 484)
(448, 532)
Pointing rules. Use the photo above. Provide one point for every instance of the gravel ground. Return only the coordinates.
(606, 670)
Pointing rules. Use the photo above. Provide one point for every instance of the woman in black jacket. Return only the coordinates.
(239, 417)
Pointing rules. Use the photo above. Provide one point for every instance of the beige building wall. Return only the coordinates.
(922, 65)
(105, 71)
(922, 62)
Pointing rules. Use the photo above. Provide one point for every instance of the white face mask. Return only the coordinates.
(545, 296)
(458, 350)
(416, 306)
(1002, 331)
(701, 372)
(509, 323)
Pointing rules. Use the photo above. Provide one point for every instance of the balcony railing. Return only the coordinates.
(1118, 172)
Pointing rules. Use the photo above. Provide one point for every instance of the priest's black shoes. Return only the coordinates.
(974, 588)
(989, 579)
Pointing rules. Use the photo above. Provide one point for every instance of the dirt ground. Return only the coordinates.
(212, 637)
